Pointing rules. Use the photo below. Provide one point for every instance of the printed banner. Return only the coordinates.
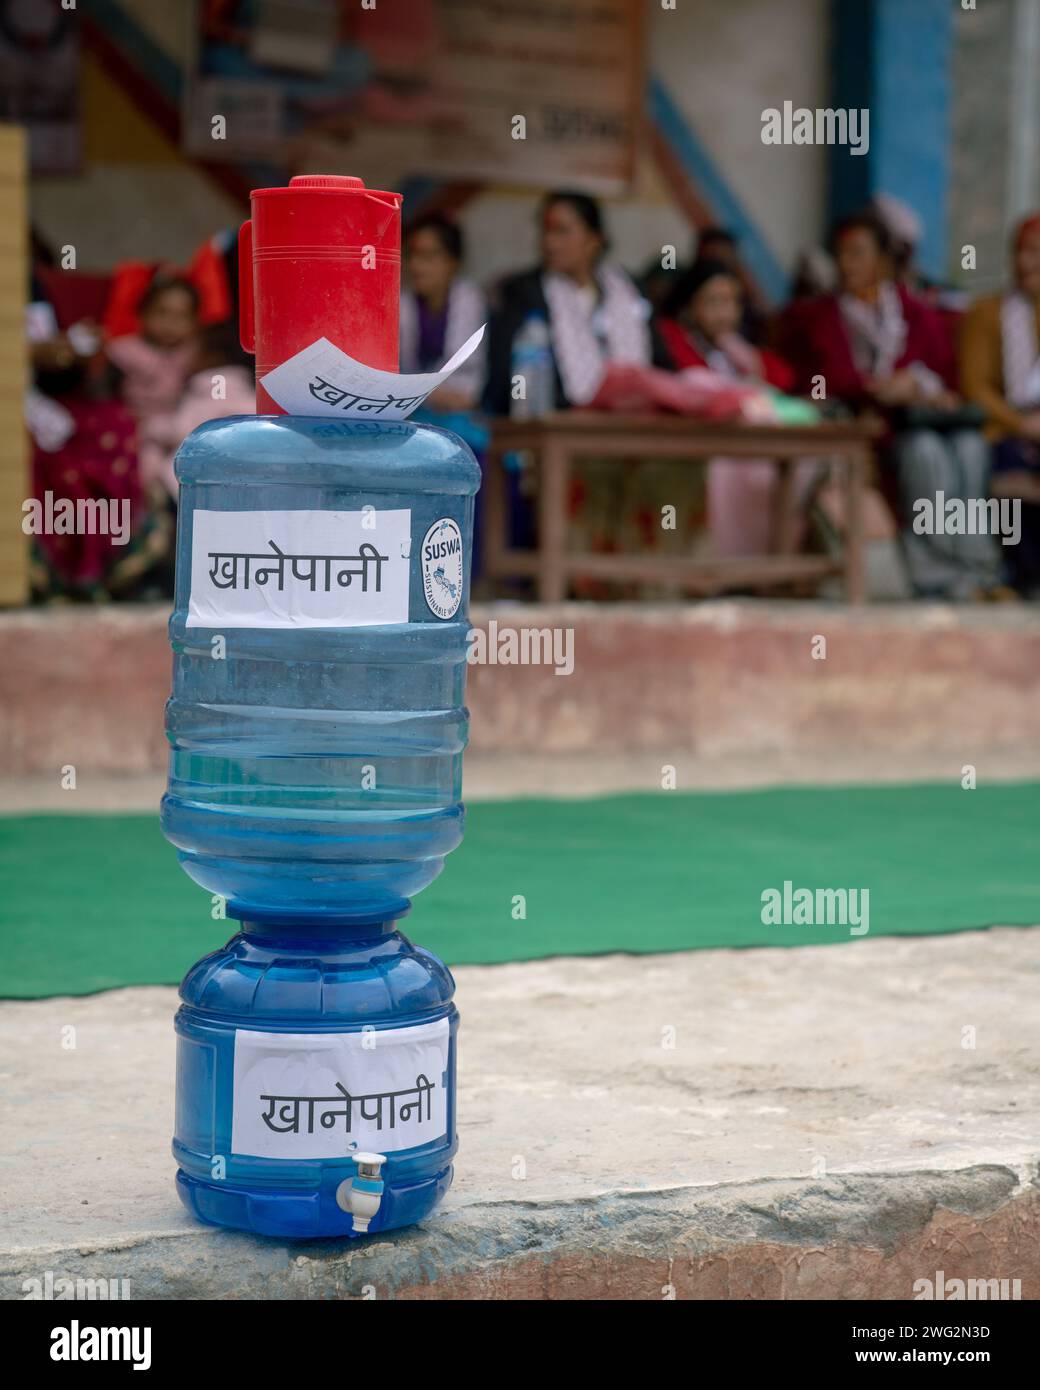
(41, 65)
(541, 94)
(323, 380)
(309, 1095)
(299, 569)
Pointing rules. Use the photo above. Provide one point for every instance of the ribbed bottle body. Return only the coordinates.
(316, 722)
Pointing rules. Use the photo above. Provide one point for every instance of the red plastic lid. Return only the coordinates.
(318, 183)
(320, 258)
(326, 181)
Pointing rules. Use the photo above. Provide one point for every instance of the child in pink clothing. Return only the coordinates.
(220, 383)
(152, 367)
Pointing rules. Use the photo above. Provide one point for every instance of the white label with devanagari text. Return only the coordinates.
(299, 569)
(323, 380)
(328, 1095)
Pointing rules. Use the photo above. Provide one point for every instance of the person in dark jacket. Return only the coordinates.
(594, 313)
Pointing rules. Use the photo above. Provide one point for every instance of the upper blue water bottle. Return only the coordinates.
(316, 728)
(317, 718)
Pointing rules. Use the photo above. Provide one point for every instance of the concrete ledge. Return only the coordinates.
(88, 686)
(871, 1236)
(769, 1123)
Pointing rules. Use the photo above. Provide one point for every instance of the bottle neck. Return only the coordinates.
(304, 932)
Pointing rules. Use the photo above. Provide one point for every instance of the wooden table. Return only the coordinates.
(557, 440)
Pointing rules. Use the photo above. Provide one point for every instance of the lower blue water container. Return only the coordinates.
(295, 1054)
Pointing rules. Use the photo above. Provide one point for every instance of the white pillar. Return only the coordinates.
(1023, 184)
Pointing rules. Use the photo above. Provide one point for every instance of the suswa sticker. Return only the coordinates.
(326, 1095)
(299, 569)
(442, 567)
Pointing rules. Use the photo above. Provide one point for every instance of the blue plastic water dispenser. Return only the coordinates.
(316, 729)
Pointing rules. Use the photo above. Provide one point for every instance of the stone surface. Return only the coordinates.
(716, 679)
(818, 1129)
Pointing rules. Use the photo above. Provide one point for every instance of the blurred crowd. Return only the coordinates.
(955, 385)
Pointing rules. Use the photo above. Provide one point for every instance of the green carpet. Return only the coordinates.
(91, 902)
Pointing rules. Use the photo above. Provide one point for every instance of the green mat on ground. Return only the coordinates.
(91, 902)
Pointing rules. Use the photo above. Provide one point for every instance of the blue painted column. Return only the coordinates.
(894, 57)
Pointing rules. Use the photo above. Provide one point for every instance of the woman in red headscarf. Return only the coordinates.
(1000, 371)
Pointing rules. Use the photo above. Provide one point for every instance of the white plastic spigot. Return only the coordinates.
(362, 1195)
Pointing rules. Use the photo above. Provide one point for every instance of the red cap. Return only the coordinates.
(320, 259)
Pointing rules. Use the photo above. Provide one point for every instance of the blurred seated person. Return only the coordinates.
(875, 346)
(1000, 371)
(814, 273)
(581, 320)
(594, 314)
(720, 244)
(440, 310)
(220, 383)
(905, 230)
(702, 323)
(711, 244)
(86, 494)
(149, 369)
(702, 328)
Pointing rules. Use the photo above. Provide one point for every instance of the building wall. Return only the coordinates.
(14, 462)
(721, 65)
(501, 232)
(980, 193)
(136, 197)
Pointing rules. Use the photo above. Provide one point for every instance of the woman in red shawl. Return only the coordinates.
(873, 344)
(701, 323)
(701, 328)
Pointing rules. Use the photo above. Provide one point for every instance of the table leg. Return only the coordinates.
(496, 528)
(783, 507)
(856, 468)
(555, 467)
